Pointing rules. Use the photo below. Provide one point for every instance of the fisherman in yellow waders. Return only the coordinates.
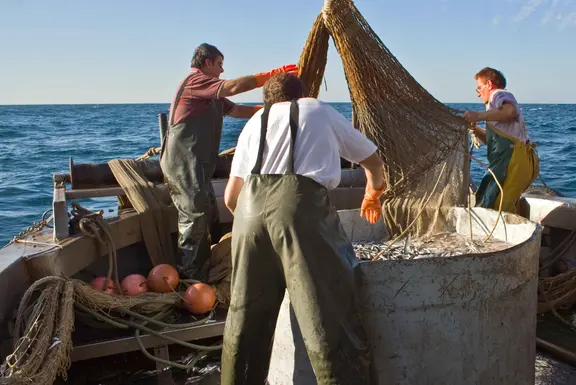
(511, 155)
(287, 235)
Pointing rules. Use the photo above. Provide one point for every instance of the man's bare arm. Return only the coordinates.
(505, 113)
(244, 112)
(374, 171)
(233, 188)
(237, 86)
(248, 83)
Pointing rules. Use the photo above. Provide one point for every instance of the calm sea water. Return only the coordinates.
(37, 141)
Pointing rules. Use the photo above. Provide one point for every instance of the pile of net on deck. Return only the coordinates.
(50, 307)
(42, 336)
(423, 142)
(46, 319)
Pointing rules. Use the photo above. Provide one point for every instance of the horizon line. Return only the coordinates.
(144, 103)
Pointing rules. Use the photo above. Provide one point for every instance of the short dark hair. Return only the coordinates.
(283, 87)
(492, 74)
(204, 52)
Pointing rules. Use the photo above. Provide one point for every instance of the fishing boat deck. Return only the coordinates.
(37, 255)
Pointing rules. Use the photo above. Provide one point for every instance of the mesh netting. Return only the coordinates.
(145, 199)
(43, 342)
(422, 141)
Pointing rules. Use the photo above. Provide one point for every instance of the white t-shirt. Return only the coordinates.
(324, 135)
(516, 128)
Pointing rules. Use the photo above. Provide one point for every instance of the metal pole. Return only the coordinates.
(163, 126)
(564, 354)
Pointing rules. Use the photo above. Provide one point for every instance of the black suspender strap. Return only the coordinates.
(294, 116)
(263, 130)
(177, 99)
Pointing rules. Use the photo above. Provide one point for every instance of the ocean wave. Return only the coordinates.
(38, 141)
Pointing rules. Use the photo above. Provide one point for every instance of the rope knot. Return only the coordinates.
(91, 229)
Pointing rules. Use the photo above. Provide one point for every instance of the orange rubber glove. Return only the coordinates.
(371, 208)
(263, 77)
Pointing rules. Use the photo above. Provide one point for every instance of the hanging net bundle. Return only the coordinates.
(422, 141)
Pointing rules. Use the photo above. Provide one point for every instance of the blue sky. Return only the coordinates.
(115, 51)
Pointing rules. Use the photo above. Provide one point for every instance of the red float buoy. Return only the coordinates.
(199, 298)
(98, 284)
(134, 284)
(163, 278)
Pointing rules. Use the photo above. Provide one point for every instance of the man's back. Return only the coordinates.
(324, 135)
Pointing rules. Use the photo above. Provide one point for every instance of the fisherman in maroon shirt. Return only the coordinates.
(190, 150)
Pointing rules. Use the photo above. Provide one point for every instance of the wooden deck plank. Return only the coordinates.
(128, 344)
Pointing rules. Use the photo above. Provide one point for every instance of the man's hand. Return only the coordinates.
(263, 77)
(371, 208)
(472, 116)
(290, 68)
(478, 134)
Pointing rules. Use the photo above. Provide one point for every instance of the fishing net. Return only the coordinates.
(558, 292)
(42, 335)
(45, 322)
(148, 203)
(144, 303)
(422, 141)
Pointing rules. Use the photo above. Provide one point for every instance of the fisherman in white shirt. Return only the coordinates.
(287, 235)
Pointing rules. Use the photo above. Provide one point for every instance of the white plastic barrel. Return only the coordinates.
(464, 320)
